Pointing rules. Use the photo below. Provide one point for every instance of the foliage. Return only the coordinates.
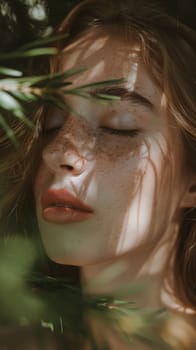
(23, 21)
(43, 300)
(58, 305)
(17, 90)
(55, 303)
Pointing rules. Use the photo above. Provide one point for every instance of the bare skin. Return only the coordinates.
(121, 160)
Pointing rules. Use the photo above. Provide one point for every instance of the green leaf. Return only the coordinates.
(24, 96)
(29, 81)
(43, 41)
(10, 72)
(66, 74)
(58, 102)
(45, 79)
(122, 302)
(8, 131)
(30, 53)
(16, 258)
(78, 93)
(48, 325)
(54, 79)
(88, 95)
(8, 102)
(107, 97)
(21, 116)
(102, 83)
(9, 84)
(81, 90)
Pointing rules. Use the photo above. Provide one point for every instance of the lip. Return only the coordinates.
(61, 207)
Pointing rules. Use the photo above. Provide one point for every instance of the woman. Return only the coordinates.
(116, 182)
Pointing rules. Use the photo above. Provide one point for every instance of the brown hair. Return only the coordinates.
(171, 46)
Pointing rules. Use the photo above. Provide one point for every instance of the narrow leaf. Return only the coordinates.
(107, 97)
(10, 72)
(29, 53)
(43, 41)
(55, 79)
(9, 132)
(102, 83)
(8, 102)
(57, 101)
(35, 80)
(24, 96)
(68, 73)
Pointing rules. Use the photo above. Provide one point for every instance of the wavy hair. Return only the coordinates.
(169, 50)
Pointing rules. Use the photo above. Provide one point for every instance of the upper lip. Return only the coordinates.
(54, 197)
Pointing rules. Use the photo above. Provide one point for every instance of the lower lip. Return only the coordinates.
(60, 215)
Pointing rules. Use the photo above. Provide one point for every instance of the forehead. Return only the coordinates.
(107, 53)
(103, 47)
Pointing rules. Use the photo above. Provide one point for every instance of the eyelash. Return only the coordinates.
(51, 130)
(129, 133)
(58, 122)
(111, 131)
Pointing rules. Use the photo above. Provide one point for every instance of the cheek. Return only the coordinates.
(121, 170)
(116, 149)
(142, 186)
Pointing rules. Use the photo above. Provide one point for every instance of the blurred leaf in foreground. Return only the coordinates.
(16, 299)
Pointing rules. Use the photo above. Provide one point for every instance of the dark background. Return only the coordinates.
(24, 20)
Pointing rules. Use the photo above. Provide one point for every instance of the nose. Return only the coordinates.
(71, 150)
(67, 161)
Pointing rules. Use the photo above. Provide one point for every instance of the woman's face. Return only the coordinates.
(122, 160)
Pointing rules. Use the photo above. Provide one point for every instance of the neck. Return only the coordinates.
(145, 266)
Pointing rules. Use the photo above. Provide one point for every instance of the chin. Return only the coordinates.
(75, 260)
(59, 259)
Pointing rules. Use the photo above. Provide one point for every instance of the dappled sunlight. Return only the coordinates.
(132, 78)
(120, 160)
(87, 53)
(96, 46)
(97, 70)
(137, 223)
(104, 184)
(163, 102)
(120, 180)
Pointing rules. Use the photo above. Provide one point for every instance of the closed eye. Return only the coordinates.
(51, 131)
(53, 122)
(122, 132)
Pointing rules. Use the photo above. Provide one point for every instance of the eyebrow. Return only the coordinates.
(124, 94)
